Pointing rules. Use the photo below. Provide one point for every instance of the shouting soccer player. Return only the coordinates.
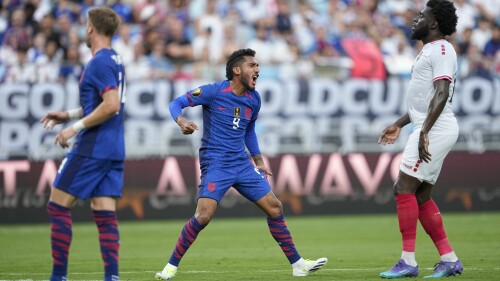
(94, 167)
(230, 109)
(430, 93)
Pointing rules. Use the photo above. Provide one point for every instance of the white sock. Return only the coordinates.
(409, 258)
(169, 266)
(450, 257)
(298, 264)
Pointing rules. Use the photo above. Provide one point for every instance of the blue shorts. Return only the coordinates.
(244, 177)
(86, 177)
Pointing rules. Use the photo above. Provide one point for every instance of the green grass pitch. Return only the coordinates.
(358, 248)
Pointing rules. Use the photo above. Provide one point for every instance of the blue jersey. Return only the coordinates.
(228, 121)
(105, 141)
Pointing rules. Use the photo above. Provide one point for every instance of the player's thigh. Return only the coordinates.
(79, 176)
(62, 198)
(252, 183)
(439, 146)
(215, 182)
(111, 185)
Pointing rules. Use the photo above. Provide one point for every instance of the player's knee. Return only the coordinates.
(276, 209)
(422, 198)
(203, 217)
(400, 188)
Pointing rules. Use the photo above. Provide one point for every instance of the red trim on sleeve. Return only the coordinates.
(442, 77)
(189, 100)
(107, 89)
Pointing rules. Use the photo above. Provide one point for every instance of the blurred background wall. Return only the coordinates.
(333, 75)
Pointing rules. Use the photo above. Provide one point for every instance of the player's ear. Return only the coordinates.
(90, 28)
(237, 70)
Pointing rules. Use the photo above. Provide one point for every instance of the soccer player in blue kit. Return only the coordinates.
(230, 109)
(94, 167)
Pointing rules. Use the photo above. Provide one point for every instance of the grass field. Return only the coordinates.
(358, 248)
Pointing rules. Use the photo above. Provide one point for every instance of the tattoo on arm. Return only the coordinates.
(257, 159)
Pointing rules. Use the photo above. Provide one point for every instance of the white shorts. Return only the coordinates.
(439, 146)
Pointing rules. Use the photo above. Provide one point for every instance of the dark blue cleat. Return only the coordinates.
(400, 270)
(445, 269)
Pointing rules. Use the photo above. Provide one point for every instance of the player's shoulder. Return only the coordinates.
(441, 48)
(107, 57)
(214, 88)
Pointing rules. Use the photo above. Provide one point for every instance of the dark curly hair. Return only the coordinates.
(445, 14)
(235, 59)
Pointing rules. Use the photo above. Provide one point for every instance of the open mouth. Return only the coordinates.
(254, 78)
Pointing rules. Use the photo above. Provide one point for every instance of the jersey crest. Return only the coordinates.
(196, 92)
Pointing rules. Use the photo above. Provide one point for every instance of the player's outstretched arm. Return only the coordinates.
(59, 117)
(391, 133)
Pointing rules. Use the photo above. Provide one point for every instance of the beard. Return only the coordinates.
(244, 82)
(87, 41)
(420, 33)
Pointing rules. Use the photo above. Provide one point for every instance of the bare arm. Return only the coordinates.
(391, 133)
(109, 106)
(436, 106)
(259, 163)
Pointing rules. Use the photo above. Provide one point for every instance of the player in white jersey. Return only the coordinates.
(430, 93)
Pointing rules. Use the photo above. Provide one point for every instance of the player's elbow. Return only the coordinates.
(442, 96)
(112, 108)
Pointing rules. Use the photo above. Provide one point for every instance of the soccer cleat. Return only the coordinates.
(400, 270)
(305, 267)
(167, 273)
(445, 269)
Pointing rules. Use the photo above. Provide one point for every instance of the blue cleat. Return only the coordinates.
(400, 270)
(445, 269)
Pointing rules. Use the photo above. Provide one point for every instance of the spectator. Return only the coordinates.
(123, 10)
(48, 64)
(19, 33)
(179, 47)
(22, 71)
(124, 44)
(492, 47)
(71, 68)
(482, 34)
(139, 68)
(467, 16)
(161, 68)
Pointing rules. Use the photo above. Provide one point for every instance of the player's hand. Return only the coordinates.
(53, 118)
(187, 127)
(423, 148)
(264, 169)
(389, 135)
(63, 137)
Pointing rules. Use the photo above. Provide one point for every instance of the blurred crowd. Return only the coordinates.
(44, 40)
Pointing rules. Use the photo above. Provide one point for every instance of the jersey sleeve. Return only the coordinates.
(251, 141)
(199, 96)
(203, 95)
(443, 60)
(104, 74)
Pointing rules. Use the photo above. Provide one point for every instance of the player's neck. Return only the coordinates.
(432, 38)
(237, 88)
(100, 43)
